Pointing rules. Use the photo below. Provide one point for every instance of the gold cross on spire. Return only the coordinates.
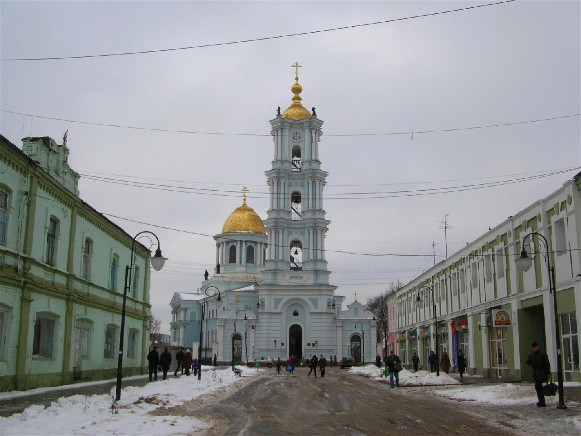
(356, 296)
(296, 66)
(244, 191)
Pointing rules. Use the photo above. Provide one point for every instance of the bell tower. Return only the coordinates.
(296, 223)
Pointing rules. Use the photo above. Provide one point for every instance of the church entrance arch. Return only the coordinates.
(356, 347)
(295, 341)
(236, 349)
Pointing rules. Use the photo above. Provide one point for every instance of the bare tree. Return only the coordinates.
(154, 328)
(378, 306)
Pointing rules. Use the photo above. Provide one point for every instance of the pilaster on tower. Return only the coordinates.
(296, 223)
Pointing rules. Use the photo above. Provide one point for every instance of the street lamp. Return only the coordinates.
(157, 262)
(524, 262)
(210, 291)
(418, 305)
(239, 313)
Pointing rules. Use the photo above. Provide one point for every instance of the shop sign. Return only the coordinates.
(413, 333)
(402, 336)
(500, 318)
(461, 324)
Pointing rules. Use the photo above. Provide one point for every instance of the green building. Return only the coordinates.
(490, 308)
(61, 281)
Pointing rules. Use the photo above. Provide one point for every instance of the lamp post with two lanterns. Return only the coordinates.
(157, 262)
(418, 304)
(239, 313)
(210, 291)
(524, 262)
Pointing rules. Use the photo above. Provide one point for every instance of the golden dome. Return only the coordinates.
(244, 219)
(296, 111)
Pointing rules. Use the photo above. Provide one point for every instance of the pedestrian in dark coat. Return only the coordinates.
(432, 361)
(196, 366)
(165, 362)
(153, 359)
(539, 361)
(462, 363)
(445, 362)
(322, 365)
(179, 358)
(313, 366)
(415, 362)
(278, 365)
(215, 360)
(378, 361)
(393, 363)
(187, 361)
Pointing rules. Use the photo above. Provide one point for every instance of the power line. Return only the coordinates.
(336, 135)
(260, 39)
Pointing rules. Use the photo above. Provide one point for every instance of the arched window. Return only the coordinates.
(135, 284)
(87, 253)
(296, 256)
(296, 205)
(51, 241)
(3, 216)
(44, 334)
(250, 254)
(232, 254)
(114, 271)
(296, 158)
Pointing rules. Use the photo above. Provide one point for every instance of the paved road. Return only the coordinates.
(339, 404)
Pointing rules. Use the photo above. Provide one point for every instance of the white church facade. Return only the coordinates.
(270, 293)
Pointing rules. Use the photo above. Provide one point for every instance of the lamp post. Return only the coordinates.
(524, 262)
(239, 312)
(210, 291)
(418, 304)
(157, 262)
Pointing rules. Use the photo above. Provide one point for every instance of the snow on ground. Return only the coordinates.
(407, 378)
(90, 415)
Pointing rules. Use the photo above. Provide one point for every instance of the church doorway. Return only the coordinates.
(236, 349)
(356, 347)
(295, 341)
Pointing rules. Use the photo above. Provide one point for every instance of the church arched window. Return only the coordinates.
(250, 254)
(296, 256)
(296, 206)
(296, 158)
(232, 254)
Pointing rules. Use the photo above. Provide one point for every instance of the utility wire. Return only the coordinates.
(338, 135)
(261, 39)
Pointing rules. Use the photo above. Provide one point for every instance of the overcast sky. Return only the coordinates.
(502, 64)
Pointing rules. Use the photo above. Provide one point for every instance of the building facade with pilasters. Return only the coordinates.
(492, 310)
(61, 276)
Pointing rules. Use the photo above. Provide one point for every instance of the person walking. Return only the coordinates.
(165, 362)
(393, 363)
(291, 364)
(322, 365)
(278, 365)
(432, 361)
(215, 360)
(196, 365)
(378, 361)
(187, 361)
(539, 361)
(179, 358)
(313, 366)
(462, 363)
(415, 362)
(153, 359)
(445, 362)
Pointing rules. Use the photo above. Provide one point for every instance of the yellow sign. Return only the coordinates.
(500, 318)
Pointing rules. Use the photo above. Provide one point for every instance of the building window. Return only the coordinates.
(499, 354)
(87, 253)
(110, 331)
(250, 254)
(51, 240)
(135, 284)
(3, 216)
(82, 338)
(474, 270)
(3, 318)
(232, 254)
(570, 342)
(560, 241)
(43, 335)
(296, 158)
(488, 267)
(114, 272)
(132, 343)
(500, 263)
(296, 211)
(454, 284)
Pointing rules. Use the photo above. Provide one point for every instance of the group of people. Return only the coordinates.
(315, 363)
(185, 362)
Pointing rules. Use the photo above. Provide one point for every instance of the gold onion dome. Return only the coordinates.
(296, 111)
(244, 219)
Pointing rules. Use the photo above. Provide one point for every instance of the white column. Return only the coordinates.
(485, 342)
(217, 253)
(514, 303)
(339, 340)
(550, 329)
(471, 332)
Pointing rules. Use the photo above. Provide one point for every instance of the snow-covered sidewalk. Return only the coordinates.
(407, 378)
(91, 415)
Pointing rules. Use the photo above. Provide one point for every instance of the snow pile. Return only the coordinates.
(500, 394)
(407, 378)
(90, 415)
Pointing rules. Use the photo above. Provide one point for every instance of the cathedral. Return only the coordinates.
(270, 294)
